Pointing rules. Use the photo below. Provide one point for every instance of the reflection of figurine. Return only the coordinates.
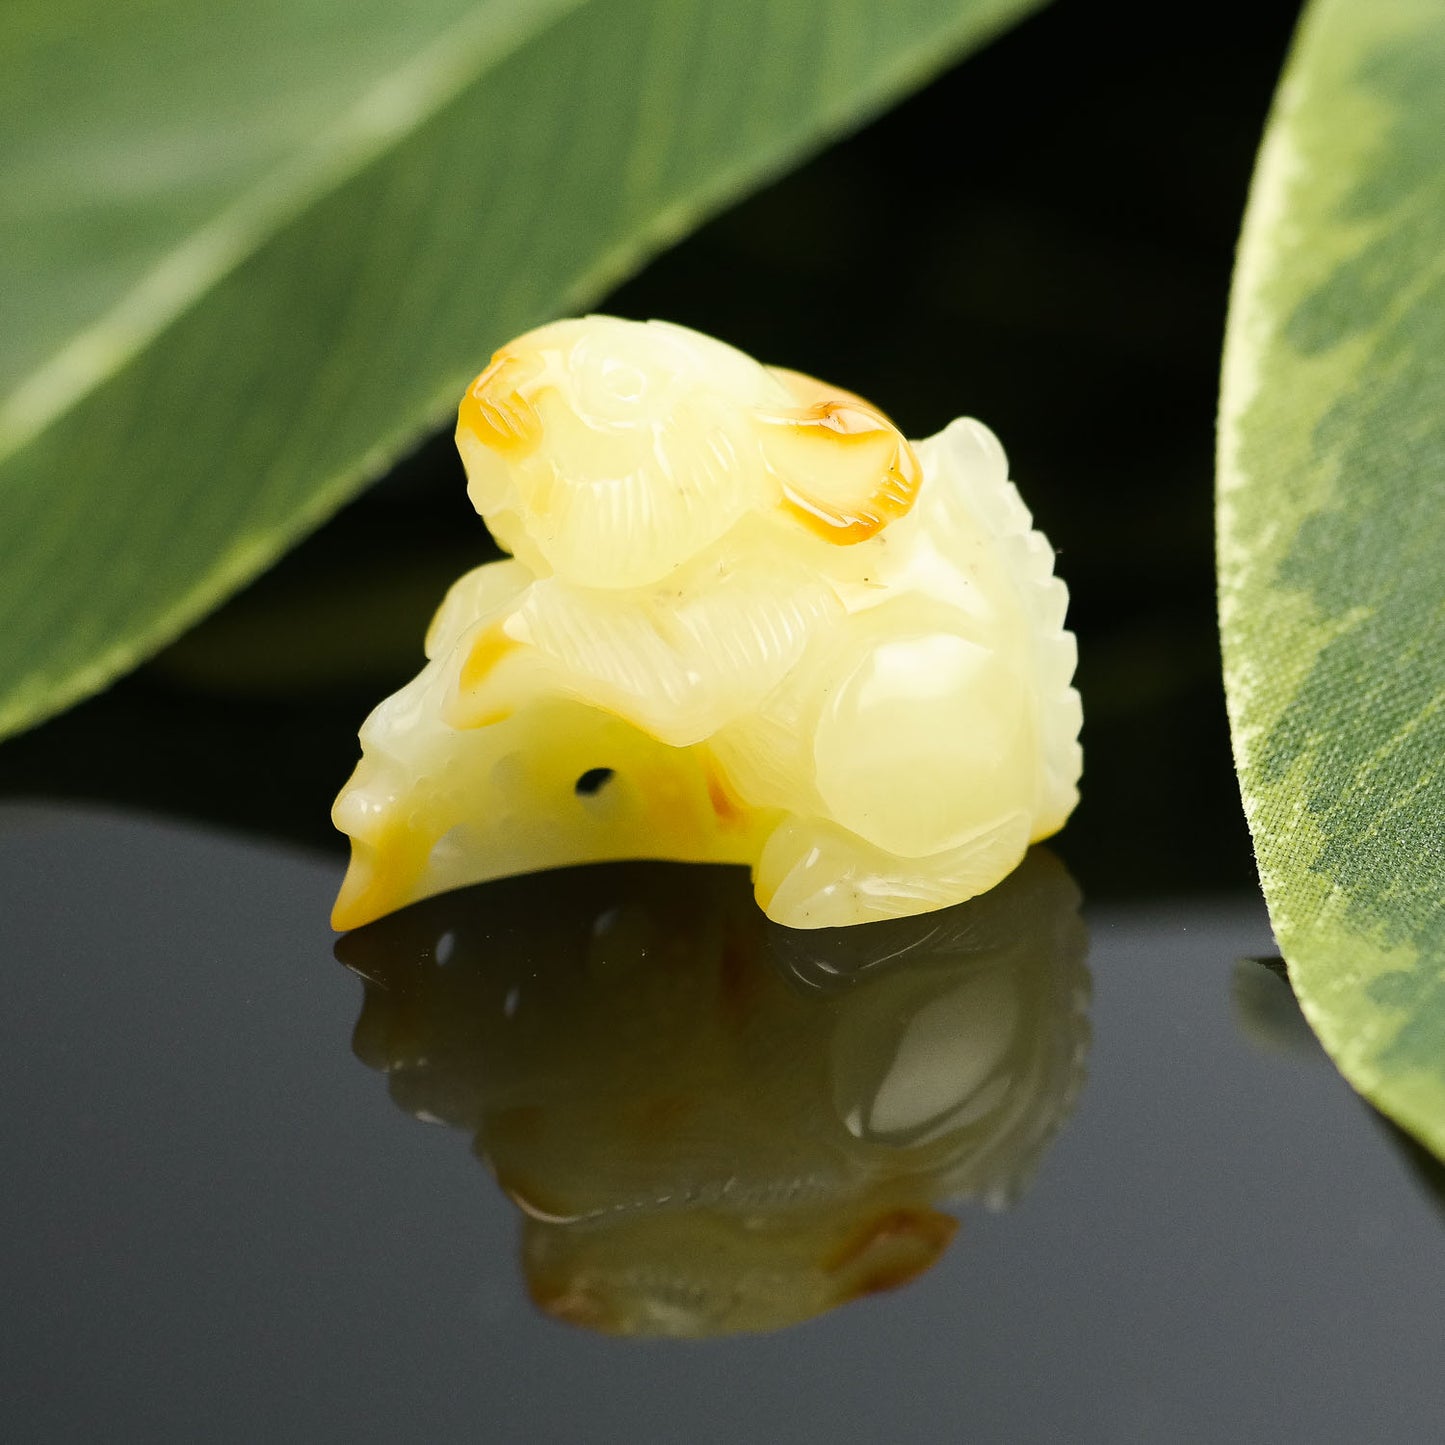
(711, 1124)
(746, 621)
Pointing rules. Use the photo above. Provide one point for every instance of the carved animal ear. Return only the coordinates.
(496, 425)
(845, 470)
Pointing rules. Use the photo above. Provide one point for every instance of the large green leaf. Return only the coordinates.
(1332, 540)
(258, 249)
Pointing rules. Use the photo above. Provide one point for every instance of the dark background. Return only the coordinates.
(1042, 239)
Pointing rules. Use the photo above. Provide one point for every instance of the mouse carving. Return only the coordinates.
(744, 620)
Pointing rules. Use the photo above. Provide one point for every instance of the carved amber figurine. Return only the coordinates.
(744, 620)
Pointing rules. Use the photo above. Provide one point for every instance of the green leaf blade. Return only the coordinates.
(211, 430)
(1332, 540)
(129, 132)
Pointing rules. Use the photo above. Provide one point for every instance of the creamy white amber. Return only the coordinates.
(797, 640)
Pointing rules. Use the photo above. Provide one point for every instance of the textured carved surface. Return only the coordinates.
(798, 640)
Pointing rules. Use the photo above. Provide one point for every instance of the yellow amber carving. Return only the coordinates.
(710, 1124)
(787, 635)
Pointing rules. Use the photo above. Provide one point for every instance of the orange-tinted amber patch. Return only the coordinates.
(379, 880)
(486, 652)
(840, 418)
(895, 495)
(810, 391)
(572, 1303)
(897, 1246)
(730, 813)
(495, 409)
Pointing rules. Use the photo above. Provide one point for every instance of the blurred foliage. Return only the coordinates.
(1047, 261)
(372, 220)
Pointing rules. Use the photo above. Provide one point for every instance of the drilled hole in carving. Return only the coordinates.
(592, 781)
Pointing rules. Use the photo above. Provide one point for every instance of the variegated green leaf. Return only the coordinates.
(1332, 539)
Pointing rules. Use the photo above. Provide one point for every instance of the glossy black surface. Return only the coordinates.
(216, 1225)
